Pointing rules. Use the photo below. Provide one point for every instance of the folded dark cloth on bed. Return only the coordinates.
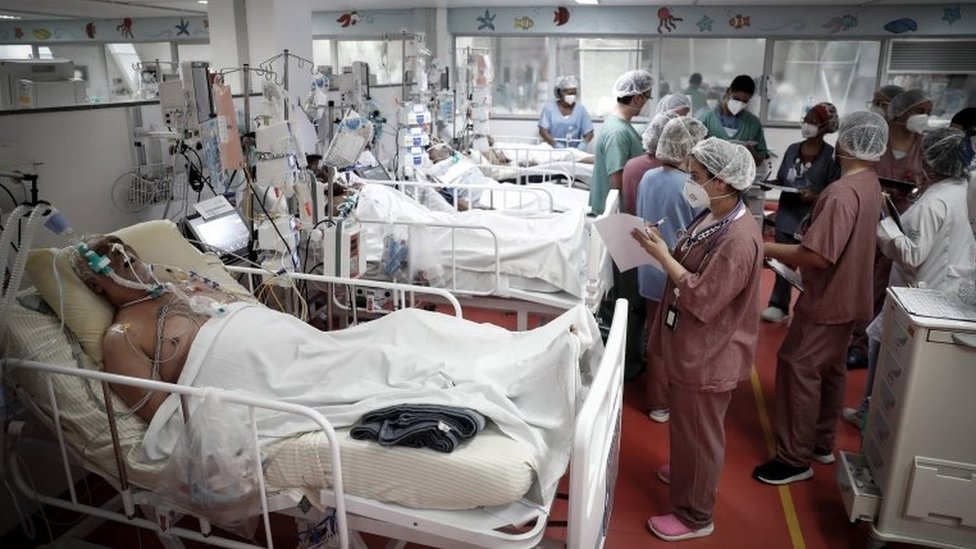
(433, 426)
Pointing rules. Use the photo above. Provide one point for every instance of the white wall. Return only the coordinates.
(81, 152)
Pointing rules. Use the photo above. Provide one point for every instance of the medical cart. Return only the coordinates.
(916, 477)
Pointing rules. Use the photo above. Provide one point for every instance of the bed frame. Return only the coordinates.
(525, 302)
(592, 470)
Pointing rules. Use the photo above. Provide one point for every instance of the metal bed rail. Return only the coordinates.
(453, 232)
(520, 190)
(132, 495)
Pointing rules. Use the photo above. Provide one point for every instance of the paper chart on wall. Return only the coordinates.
(615, 231)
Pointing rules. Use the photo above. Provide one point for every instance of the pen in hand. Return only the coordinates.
(658, 223)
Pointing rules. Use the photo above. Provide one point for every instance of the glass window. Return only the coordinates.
(89, 66)
(717, 60)
(521, 72)
(603, 60)
(194, 52)
(945, 69)
(806, 72)
(384, 57)
(125, 81)
(19, 51)
(322, 52)
(950, 93)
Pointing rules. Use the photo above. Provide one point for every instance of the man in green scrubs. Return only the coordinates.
(731, 121)
(617, 141)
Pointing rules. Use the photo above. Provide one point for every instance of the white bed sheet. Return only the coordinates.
(546, 246)
(493, 469)
(526, 383)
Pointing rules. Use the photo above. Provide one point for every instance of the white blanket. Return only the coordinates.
(540, 245)
(529, 383)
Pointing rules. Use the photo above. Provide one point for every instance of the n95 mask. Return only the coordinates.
(917, 123)
(735, 106)
(808, 130)
(695, 195)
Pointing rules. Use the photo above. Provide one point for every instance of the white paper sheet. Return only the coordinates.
(615, 231)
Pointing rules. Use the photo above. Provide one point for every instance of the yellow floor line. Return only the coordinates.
(786, 499)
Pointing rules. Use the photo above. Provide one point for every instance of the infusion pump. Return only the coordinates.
(343, 254)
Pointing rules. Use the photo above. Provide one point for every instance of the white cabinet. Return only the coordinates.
(919, 444)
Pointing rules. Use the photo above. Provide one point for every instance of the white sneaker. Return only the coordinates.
(826, 459)
(773, 314)
(660, 416)
(854, 417)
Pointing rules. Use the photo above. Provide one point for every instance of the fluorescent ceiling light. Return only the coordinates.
(5, 16)
(591, 2)
(201, 1)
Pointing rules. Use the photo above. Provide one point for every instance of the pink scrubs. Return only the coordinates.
(810, 372)
(657, 374)
(706, 353)
(634, 170)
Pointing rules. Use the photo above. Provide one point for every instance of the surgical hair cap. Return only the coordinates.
(633, 83)
(890, 91)
(652, 134)
(943, 152)
(903, 102)
(566, 82)
(827, 112)
(863, 135)
(727, 161)
(673, 102)
(678, 138)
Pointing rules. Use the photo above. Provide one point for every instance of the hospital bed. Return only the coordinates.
(471, 498)
(539, 161)
(538, 263)
(492, 195)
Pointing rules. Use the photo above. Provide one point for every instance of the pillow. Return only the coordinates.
(88, 315)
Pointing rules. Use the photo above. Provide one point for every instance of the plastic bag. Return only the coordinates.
(425, 258)
(212, 471)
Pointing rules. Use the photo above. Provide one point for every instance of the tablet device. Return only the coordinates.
(224, 234)
(786, 272)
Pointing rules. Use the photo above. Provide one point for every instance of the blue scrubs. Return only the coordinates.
(566, 129)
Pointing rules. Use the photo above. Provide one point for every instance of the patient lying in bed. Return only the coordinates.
(151, 333)
(192, 333)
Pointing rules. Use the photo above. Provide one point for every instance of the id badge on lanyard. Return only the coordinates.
(671, 317)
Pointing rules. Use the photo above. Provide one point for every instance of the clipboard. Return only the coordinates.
(786, 272)
(904, 186)
(769, 186)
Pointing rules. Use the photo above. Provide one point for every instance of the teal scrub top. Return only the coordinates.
(616, 143)
(750, 129)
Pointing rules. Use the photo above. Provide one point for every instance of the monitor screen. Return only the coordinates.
(223, 234)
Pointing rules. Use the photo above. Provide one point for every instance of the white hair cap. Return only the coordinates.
(863, 135)
(653, 131)
(633, 82)
(729, 162)
(678, 138)
(673, 102)
(567, 82)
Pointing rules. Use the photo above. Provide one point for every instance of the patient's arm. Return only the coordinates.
(125, 359)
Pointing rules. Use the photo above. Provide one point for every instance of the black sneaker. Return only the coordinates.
(856, 360)
(776, 472)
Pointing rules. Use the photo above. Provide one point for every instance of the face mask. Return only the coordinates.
(712, 103)
(898, 154)
(569, 99)
(735, 106)
(695, 194)
(808, 130)
(917, 123)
